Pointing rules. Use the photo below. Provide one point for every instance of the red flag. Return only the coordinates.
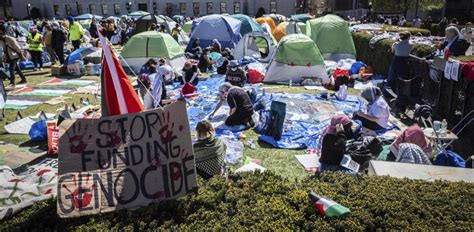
(120, 97)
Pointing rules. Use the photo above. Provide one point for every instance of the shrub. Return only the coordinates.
(412, 30)
(381, 55)
(268, 201)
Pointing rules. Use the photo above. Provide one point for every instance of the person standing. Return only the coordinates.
(76, 32)
(94, 32)
(175, 32)
(12, 54)
(399, 66)
(58, 38)
(48, 43)
(427, 23)
(35, 43)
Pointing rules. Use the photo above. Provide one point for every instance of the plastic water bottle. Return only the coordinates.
(444, 127)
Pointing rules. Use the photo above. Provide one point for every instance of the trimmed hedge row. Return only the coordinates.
(381, 55)
(412, 30)
(271, 202)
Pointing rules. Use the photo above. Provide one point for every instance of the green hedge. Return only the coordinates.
(271, 202)
(412, 30)
(381, 55)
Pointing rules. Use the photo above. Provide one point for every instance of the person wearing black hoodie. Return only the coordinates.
(59, 37)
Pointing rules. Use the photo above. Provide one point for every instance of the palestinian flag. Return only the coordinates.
(326, 207)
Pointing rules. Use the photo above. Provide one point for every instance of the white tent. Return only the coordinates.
(253, 44)
(296, 57)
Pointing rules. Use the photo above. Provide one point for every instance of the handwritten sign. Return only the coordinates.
(125, 161)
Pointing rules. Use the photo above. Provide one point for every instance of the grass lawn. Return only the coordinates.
(279, 161)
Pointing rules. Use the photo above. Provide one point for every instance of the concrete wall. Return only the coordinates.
(250, 7)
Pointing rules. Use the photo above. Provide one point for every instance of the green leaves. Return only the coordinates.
(271, 202)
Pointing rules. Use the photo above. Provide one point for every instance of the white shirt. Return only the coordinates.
(381, 111)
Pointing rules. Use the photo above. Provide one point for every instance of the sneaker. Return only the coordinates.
(11, 86)
(23, 81)
(35, 69)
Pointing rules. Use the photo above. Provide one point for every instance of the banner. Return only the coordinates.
(125, 161)
(18, 191)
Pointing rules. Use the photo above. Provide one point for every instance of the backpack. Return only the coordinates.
(271, 121)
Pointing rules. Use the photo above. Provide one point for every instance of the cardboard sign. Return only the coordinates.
(53, 138)
(125, 161)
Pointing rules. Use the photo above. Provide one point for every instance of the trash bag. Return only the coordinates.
(39, 131)
(450, 159)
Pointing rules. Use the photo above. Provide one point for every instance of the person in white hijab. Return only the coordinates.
(158, 89)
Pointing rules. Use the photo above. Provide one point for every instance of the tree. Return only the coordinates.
(260, 12)
(405, 5)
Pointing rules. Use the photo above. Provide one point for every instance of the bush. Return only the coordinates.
(381, 55)
(268, 201)
(412, 30)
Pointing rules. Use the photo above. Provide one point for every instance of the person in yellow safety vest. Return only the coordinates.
(35, 47)
(75, 33)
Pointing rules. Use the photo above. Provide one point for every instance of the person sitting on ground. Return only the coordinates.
(241, 108)
(333, 145)
(145, 68)
(236, 75)
(158, 84)
(399, 65)
(190, 74)
(195, 51)
(413, 134)
(216, 46)
(205, 62)
(413, 154)
(162, 28)
(209, 151)
(378, 113)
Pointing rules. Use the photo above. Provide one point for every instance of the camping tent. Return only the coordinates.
(143, 23)
(137, 14)
(302, 27)
(187, 27)
(296, 56)
(332, 35)
(223, 28)
(301, 18)
(248, 24)
(253, 44)
(152, 44)
(87, 16)
(285, 28)
(267, 20)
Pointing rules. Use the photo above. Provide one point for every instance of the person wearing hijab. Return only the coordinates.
(216, 46)
(209, 151)
(333, 144)
(377, 116)
(413, 154)
(158, 89)
(414, 135)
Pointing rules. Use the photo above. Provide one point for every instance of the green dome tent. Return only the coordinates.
(296, 56)
(187, 27)
(152, 44)
(332, 35)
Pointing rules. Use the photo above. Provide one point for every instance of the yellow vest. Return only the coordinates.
(35, 46)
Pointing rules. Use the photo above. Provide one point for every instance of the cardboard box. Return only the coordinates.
(57, 71)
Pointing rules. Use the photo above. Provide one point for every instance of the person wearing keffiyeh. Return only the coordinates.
(209, 151)
(412, 153)
(414, 135)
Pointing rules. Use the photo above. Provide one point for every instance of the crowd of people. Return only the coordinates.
(155, 74)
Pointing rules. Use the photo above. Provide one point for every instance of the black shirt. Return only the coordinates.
(239, 99)
(333, 149)
(188, 74)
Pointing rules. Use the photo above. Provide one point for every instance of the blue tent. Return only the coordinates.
(248, 24)
(87, 16)
(223, 28)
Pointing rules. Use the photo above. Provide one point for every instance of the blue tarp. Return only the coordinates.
(223, 28)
